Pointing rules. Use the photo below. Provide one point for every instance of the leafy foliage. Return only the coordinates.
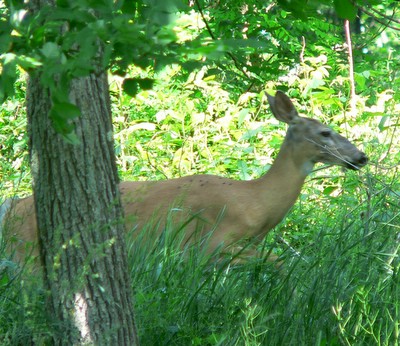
(187, 88)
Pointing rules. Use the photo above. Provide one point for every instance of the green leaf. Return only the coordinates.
(130, 86)
(345, 9)
(8, 75)
(129, 7)
(60, 91)
(146, 83)
(242, 116)
(50, 50)
(382, 123)
(71, 138)
(61, 115)
(329, 190)
(5, 37)
(64, 110)
(60, 125)
(297, 7)
(62, 3)
(28, 63)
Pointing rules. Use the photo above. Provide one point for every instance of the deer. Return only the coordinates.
(228, 210)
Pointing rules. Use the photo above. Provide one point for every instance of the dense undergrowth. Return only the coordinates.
(338, 282)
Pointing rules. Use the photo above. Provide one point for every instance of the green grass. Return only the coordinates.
(343, 289)
(338, 284)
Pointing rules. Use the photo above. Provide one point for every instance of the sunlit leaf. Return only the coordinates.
(28, 63)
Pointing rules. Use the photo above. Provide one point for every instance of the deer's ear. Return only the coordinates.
(282, 108)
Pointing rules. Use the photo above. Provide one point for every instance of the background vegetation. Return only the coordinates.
(206, 113)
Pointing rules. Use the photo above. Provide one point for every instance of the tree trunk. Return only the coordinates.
(80, 219)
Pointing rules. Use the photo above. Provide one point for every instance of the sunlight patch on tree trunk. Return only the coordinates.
(81, 318)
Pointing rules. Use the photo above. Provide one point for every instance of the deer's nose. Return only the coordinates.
(363, 160)
(357, 161)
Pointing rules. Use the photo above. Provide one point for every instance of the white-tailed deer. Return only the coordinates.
(241, 209)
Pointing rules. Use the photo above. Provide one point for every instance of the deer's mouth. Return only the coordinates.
(357, 164)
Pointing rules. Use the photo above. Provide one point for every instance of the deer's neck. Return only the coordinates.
(281, 185)
(291, 159)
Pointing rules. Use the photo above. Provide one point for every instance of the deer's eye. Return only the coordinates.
(326, 133)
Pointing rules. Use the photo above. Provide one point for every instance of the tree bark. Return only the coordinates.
(80, 219)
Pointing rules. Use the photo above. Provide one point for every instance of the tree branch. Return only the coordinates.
(373, 13)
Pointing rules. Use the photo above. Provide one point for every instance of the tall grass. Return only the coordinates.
(339, 286)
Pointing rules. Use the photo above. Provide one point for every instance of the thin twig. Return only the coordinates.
(389, 18)
(379, 20)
